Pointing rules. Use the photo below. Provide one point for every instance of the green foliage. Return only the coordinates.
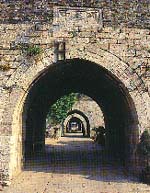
(31, 49)
(144, 145)
(144, 150)
(58, 111)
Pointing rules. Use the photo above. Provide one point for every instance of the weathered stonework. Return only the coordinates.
(121, 46)
(91, 109)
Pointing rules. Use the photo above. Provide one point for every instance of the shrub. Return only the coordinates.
(144, 150)
(144, 146)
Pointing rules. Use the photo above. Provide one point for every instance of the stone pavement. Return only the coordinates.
(74, 165)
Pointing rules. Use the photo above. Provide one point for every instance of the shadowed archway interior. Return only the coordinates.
(75, 125)
(85, 77)
(84, 117)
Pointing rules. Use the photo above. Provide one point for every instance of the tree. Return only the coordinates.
(58, 111)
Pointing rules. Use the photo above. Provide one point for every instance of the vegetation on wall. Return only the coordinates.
(31, 49)
(58, 111)
(4, 67)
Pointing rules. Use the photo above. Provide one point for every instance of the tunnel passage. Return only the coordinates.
(80, 113)
(91, 79)
(82, 119)
(75, 125)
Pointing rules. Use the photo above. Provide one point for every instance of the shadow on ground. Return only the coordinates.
(79, 156)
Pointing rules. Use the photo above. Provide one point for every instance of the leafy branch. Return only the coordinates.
(58, 111)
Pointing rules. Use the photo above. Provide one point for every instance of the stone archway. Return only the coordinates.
(119, 73)
(88, 78)
(80, 115)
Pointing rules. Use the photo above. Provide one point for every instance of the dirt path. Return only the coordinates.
(74, 165)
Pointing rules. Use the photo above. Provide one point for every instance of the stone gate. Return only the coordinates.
(48, 50)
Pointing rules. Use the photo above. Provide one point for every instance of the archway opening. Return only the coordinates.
(91, 79)
(75, 125)
(82, 119)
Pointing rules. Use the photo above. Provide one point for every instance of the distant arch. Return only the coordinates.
(75, 124)
(79, 114)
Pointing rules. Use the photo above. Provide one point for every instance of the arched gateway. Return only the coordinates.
(82, 65)
(72, 75)
(82, 76)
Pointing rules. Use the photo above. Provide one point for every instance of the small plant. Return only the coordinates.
(48, 17)
(31, 49)
(73, 33)
(5, 67)
(144, 150)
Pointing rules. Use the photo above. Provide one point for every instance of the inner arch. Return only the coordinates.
(75, 124)
(76, 111)
(80, 115)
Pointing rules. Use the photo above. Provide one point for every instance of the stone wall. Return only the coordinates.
(91, 109)
(121, 45)
(115, 13)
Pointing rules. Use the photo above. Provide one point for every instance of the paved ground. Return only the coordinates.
(74, 165)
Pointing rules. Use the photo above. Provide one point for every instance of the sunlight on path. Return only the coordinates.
(74, 165)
